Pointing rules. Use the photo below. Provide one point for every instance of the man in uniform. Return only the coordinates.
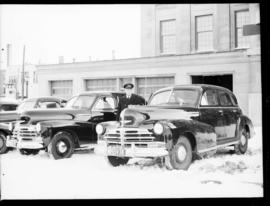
(129, 99)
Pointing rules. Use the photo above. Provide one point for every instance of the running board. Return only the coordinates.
(86, 147)
(218, 147)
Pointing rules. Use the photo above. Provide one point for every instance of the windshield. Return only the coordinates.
(81, 102)
(27, 105)
(179, 97)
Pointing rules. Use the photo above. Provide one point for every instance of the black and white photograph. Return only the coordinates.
(128, 101)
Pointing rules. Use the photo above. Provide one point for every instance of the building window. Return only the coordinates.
(204, 32)
(167, 36)
(100, 84)
(147, 85)
(61, 88)
(241, 19)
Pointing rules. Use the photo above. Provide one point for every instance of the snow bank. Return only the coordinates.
(87, 175)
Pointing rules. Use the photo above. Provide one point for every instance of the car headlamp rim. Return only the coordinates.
(38, 127)
(100, 129)
(158, 128)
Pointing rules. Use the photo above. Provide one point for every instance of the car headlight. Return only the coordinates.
(158, 128)
(10, 126)
(38, 127)
(100, 129)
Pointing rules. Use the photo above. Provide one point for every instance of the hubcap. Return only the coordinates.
(61, 147)
(181, 153)
(243, 139)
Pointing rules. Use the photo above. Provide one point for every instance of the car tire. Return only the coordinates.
(181, 154)
(3, 147)
(29, 151)
(242, 146)
(117, 161)
(61, 145)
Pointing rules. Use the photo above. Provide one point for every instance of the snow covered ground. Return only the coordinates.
(88, 175)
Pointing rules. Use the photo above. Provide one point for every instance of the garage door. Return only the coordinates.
(148, 85)
(100, 85)
(61, 88)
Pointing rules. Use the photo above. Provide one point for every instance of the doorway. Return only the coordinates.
(218, 80)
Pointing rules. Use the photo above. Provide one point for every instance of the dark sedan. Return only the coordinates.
(179, 124)
(60, 132)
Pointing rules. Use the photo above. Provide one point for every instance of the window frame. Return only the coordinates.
(236, 40)
(196, 33)
(161, 37)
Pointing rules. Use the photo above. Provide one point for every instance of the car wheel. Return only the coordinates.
(242, 146)
(117, 161)
(3, 147)
(29, 151)
(61, 146)
(181, 154)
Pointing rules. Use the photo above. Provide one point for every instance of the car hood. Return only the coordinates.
(8, 116)
(32, 116)
(135, 115)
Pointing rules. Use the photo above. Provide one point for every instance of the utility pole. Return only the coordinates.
(23, 72)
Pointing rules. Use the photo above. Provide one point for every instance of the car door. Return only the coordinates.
(210, 112)
(231, 113)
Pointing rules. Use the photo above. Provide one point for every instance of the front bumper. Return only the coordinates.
(20, 143)
(132, 142)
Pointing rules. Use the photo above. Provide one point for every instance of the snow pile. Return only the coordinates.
(88, 175)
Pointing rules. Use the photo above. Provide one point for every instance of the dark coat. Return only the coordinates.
(124, 102)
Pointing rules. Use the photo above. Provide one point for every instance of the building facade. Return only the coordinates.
(180, 44)
(13, 81)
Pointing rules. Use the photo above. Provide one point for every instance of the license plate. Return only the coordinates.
(115, 151)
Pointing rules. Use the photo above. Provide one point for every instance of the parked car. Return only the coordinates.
(61, 131)
(4, 132)
(32, 103)
(180, 123)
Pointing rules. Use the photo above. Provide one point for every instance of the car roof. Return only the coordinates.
(101, 92)
(44, 98)
(196, 86)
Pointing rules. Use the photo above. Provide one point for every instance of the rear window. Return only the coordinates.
(8, 107)
(225, 99)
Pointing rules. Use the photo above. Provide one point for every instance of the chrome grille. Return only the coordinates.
(129, 135)
(24, 132)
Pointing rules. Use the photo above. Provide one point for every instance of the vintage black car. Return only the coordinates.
(61, 131)
(30, 104)
(179, 123)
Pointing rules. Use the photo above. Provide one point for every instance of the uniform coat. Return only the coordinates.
(124, 102)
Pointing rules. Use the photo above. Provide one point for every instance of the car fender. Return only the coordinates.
(244, 121)
(201, 135)
(50, 128)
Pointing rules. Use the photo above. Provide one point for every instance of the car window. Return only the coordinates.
(209, 98)
(160, 98)
(104, 103)
(8, 107)
(83, 102)
(234, 101)
(184, 97)
(224, 99)
(48, 104)
(27, 105)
